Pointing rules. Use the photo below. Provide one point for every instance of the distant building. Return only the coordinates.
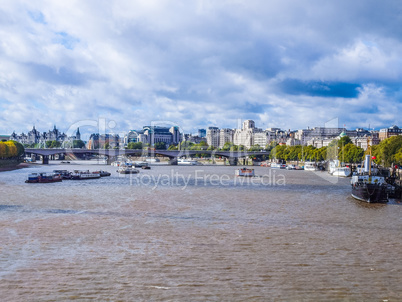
(4, 137)
(388, 132)
(291, 141)
(245, 136)
(100, 141)
(154, 134)
(213, 136)
(225, 136)
(263, 138)
(202, 132)
(130, 137)
(77, 135)
(319, 136)
(195, 139)
(35, 137)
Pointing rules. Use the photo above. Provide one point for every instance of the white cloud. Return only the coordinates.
(197, 63)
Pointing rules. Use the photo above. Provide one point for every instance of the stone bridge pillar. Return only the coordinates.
(233, 161)
(173, 161)
(45, 159)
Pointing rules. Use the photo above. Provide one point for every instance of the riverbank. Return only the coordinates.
(9, 165)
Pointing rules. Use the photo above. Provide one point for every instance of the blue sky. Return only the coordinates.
(288, 64)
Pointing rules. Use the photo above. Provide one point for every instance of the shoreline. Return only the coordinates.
(13, 167)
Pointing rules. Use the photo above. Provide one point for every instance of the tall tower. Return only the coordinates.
(78, 134)
(248, 124)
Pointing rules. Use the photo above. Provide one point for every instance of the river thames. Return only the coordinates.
(196, 233)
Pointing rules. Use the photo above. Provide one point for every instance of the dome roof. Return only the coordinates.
(342, 134)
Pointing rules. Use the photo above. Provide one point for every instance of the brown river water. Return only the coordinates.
(196, 233)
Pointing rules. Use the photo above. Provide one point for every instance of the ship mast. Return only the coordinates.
(369, 147)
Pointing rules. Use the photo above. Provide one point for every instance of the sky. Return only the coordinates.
(120, 65)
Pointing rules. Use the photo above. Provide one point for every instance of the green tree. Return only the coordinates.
(12, 149)
(255, 148)
(78, 144)
(136, 146)
(20, 148)
(398, 157)
(332, 150)
(271, 145)
(185, 145)
(227, 146)
(160, 146)
(203, 144)
(387, 150)
(343, 141)
(278, 152)
(3, 150)
(55, 144)
(173, 147)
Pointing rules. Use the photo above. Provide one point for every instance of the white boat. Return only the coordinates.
(190, 162)
(127, 170)
(342, 172)
(278, 166)
(290, 167)
(78, 175)
(336, 169)
(245, 172)
(333, 164)
(140, 164)
(152, 160)
(310, 166)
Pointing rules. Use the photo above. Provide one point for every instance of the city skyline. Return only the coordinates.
(247, 135)
(284, 64)
(88, 128)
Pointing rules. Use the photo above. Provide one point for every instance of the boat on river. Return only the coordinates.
(104, 173)
(190, 162)
(245, 172)
(63, 173)
(140, 164)
(278, 166)
(310, 166)
(127, 170)
(369, 187)
(43, 177)
(80, 175)
(336, 169)
(342, 171)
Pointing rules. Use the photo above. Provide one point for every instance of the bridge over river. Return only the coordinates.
(112, 154)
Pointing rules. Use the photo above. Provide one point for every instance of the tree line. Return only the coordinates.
(11, 149)
(388, 152)
(56, 144)
(343, 150)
